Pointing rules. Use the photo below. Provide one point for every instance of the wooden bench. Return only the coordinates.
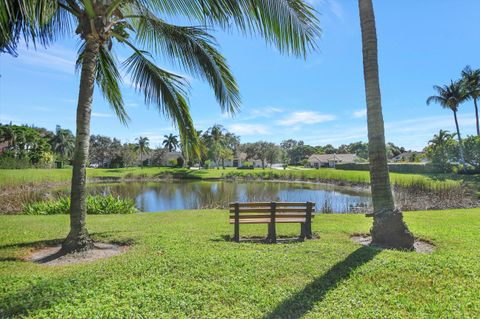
(272, 213)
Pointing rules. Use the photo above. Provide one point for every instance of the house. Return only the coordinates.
(171, 158)
(410, 157)
(330, 160)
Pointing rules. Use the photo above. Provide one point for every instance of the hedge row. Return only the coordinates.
(395, 168)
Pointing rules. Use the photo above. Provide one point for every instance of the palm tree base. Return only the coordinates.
(390, 231)
(76, 242)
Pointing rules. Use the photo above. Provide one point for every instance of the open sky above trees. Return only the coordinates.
(320, 100)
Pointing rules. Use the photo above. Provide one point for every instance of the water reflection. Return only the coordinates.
(172, 195)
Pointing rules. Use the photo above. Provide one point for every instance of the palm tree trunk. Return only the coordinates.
(78, 238)
(476, 115)
(460, 142)
(388, 227)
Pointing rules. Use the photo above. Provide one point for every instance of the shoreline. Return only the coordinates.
(407, 198)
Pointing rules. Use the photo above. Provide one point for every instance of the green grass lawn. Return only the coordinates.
(180, 266)
(16, 177)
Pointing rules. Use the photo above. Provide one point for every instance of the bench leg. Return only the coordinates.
(303, 232)
(236, 234)
(272, 233)
(308, 229)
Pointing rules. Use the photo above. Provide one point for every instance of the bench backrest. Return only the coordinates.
(262, 210)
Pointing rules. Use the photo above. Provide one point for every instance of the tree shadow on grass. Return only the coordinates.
(303, 301)
(34, 244)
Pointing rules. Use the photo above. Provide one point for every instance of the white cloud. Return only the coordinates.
(306, 117)
(55, 58)
(94, 114)
(248, 129)
(332, 6)
(360, 113)
(259, 112)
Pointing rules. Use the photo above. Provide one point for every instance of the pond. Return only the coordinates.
(175, 195)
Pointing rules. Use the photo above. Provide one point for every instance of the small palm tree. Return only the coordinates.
(471, 86)
(102, 25)
(170, 142)
(142, 147)
(63, 143)
(217, 142)
(450, 97)
(441, 138)
(388, 228)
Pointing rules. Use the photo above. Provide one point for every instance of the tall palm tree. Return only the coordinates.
(450, 97)
(142, 147)
(102, 25)
(170, 142)
(471, 86)
(388, 229)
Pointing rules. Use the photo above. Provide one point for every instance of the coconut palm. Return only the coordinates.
(142, 147)
(170, 142)
(471, 86)
(450, 97)
(388, 227)
(102, 25)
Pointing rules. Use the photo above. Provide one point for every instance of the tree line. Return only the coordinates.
(29, 146)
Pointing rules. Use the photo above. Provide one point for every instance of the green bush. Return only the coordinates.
(96, 205)
(7, 162)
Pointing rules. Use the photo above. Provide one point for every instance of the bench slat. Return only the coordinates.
(267, 204)
(267, 221)
(280, 215)
(267, 210)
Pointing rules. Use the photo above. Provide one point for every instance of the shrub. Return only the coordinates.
(96, 205)
(7, 162)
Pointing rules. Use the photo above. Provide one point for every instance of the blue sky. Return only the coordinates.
(319, 100)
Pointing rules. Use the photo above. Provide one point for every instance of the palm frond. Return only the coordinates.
(195, 51)
(36, 21)
(291, 25)
(163, 89)
(436, 99)
(108, 79)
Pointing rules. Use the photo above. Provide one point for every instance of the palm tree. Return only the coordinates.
(388, 229)
(142, 147)
(450, 97)
(102, 25)
(471, 86)
(63, 143)
(217, 142)
(170, 142)
(441, 138)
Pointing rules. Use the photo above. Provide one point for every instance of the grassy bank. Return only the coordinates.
(17, 177)
(181, 267)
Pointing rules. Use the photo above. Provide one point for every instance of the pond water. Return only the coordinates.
(173, 195)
